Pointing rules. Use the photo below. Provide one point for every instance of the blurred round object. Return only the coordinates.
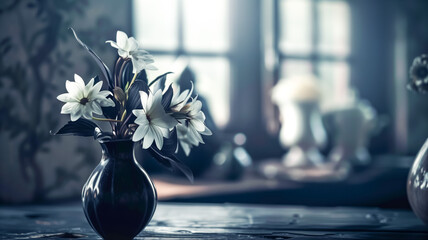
(230, 162)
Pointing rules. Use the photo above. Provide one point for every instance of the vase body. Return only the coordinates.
(417, 184)
(119, 199)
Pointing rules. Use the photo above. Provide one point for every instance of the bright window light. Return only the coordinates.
(155, 24)
(212, 76)
(296, 26)
(206, 25)
(334, 25)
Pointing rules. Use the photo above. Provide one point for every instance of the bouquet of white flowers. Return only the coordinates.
(160, 118)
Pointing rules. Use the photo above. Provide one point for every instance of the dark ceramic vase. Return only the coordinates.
(119, 199)
(417, 184)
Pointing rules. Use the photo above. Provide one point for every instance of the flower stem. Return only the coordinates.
(132, 81)
(123, 115)
(106, 119)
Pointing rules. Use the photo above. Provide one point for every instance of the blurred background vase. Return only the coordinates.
(302, 129)
(119, 199)
(354, 124)
(417, 184)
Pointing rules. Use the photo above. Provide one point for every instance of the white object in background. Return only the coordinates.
(302, 129)
(355, 124)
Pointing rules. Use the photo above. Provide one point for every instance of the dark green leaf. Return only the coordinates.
(167, 97)
(127, 74)
(170, 144)
(143, 76)
(80, 127)
(100, 63)
(161, 79)
(171, 162)
(111, 112)
(134, 101)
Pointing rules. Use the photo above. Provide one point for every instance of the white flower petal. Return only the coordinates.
(139, 112)
(78, 79)
(96, 108)
(66, 97)
(140, 133)
(121, 39)
(151, 67)
(148, 138)
(87, 112)
(137, 65)
(104, 94)
(190, 93)
(158, 137)
(68, 107)
(105, 102)
(194, 135)
(207, 132)
(196, 107)
(199, 116)
(112, 43)
(164, 121)
(165, 132)
(198, 125)
(144, 98)
(132, 44)
(94, 90)
(76, 114)
(142, 120)
(88, 87)
(74, 89)
(123, 53)
(186, 147)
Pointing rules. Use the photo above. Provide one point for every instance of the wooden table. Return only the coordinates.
(222, 221)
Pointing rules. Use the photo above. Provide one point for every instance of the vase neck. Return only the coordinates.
(118, 150)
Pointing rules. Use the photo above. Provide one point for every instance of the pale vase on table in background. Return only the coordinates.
(302, 129)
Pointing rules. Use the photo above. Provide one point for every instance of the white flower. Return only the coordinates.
(154, 123)
(185, 141)
(190, 129)
(84, 100)
(178, 99)
(188, 136)
(196, 118)
(130, 48)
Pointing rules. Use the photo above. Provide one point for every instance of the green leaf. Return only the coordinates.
(100, 63)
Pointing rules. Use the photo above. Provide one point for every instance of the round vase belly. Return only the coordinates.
(119, 199)
(417, 184)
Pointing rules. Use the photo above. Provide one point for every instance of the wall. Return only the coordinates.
(38, 53)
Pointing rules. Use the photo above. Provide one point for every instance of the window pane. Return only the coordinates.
(206, 25)
(155, 25)
(164, 63)
(291, 68)
(334, 26)
(212, 83)
(334, 78)
(295, 26)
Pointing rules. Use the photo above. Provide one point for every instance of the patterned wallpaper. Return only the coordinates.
(37, 54)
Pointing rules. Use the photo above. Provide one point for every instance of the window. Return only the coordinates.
(312, 36)
(193, 32)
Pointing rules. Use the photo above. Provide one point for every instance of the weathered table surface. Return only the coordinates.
(222, 221)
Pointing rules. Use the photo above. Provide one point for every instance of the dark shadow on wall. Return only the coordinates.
(38, 53)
